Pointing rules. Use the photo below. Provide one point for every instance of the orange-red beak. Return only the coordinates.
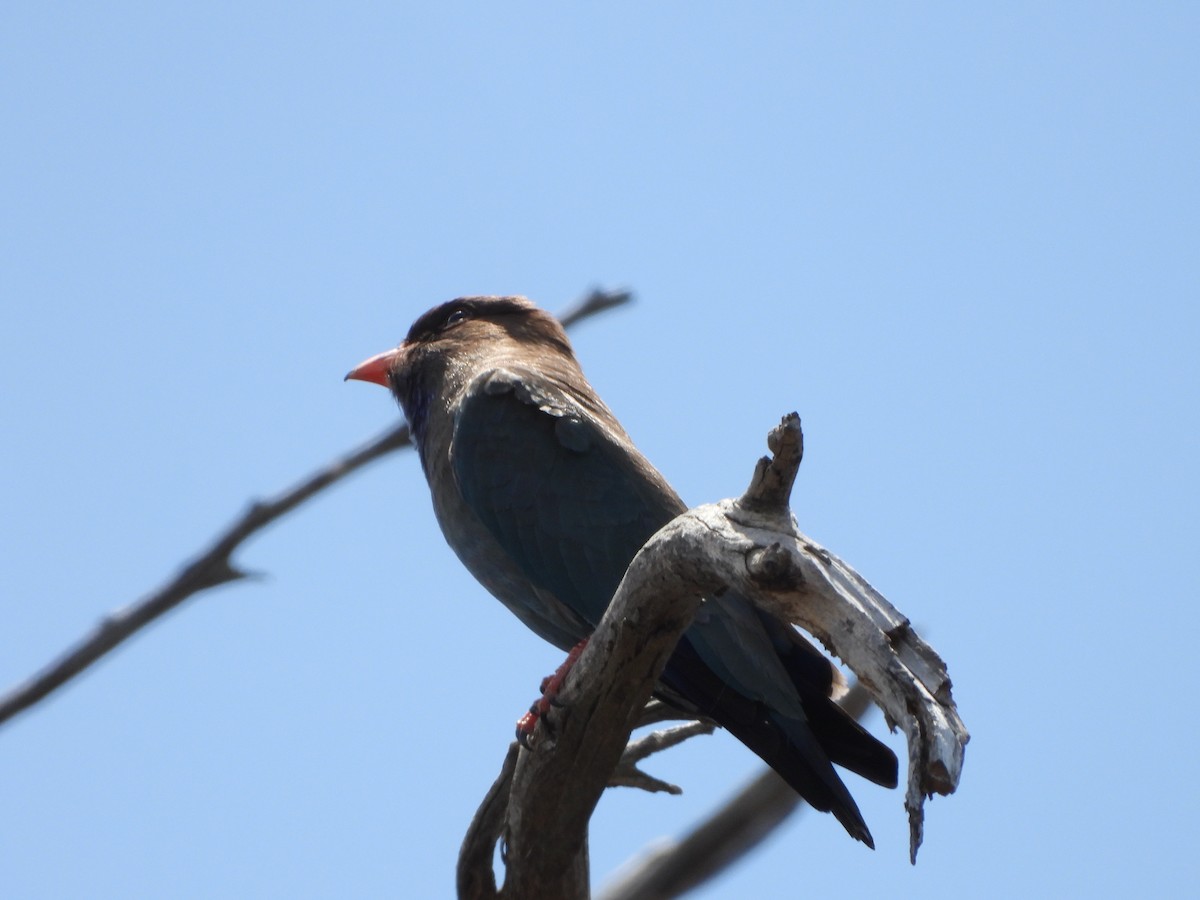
(374, 369)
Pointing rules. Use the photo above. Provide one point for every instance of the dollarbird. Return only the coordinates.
(546, 500)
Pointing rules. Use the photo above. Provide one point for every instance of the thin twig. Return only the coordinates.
(597, 301)
(215, 566)
(627, 773)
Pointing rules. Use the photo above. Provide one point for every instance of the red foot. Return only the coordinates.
(550, 688)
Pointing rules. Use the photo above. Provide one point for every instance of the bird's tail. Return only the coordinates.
(789, 747)
(844, 741)
(801, 750)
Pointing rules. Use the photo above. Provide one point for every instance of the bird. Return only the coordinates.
(545, 499)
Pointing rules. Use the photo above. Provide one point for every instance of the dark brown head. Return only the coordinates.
(450, 344)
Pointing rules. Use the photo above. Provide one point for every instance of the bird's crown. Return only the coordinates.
(480, 317)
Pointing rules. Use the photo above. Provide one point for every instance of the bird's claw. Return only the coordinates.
(526, 724)
(550, 687)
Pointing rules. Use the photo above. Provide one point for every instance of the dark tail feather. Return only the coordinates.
(791, 749)
(788, 746)
(849, 744)
(846, 742)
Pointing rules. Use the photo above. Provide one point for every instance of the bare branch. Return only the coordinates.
(657, 711)
(627, 773)
(597, 301)
(752, 546)
(215, 567)
(603, 698)
(476, 879)
(795, 578)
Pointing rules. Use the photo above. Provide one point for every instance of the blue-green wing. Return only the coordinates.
(568, 502)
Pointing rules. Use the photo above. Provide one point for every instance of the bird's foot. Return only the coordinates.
(550, 687)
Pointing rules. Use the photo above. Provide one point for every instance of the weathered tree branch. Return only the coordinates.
(802, 582)
(215, 566)
(604, 694)
(767, 557)
(752, 546)
(476, 879)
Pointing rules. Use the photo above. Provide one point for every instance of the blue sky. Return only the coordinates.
(961, 242)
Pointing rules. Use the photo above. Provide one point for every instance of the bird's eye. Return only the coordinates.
(459, 315)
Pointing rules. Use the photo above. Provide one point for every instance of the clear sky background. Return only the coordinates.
(962, 242)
